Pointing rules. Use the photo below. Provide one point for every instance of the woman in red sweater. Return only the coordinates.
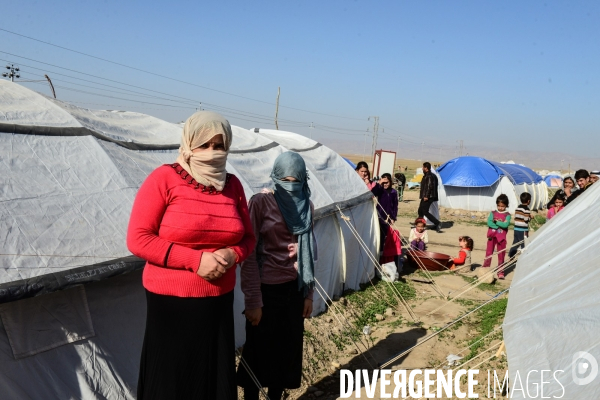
(190, 222)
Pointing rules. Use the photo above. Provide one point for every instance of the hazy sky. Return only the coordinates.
(511, 74)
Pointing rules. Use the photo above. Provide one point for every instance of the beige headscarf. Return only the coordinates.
(206, 167)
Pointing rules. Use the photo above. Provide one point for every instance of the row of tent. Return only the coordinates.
(474, 183)
(69, 178)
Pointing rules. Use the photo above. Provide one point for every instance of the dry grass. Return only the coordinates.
(411, 164)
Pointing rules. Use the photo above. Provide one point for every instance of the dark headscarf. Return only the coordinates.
(293, 199)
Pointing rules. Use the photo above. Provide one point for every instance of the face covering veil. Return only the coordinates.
(293, 199)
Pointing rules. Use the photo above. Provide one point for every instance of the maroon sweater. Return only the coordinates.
(174, 220)
(274, 260)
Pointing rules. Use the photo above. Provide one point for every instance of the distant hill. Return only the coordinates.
(533, 159)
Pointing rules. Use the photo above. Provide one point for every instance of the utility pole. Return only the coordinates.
(277, 108)
(365, 147)
(312, 126)
(461, 147)
(375, 131)
(14, 72)
(422, 145)
(398, 148)
(561, 166)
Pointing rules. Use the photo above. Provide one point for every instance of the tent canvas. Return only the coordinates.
(69, 179)
(553, 309)
(474, 183)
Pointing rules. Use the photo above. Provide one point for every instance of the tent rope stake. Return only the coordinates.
(335, 313)
(377, 265)
(251, 373)
(448, 325)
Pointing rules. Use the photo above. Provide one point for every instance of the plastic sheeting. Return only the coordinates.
(469, 171)
(477, 198)
(553, 309)
(519, 174)
(102, 367)
(474, 183)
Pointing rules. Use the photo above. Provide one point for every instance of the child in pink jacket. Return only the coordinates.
(498, 222)
(559, 204)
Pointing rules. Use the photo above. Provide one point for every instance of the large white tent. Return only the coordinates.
(553, 316)
(69, 177)
(474, 183)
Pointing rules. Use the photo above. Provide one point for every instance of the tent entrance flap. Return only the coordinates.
(46, 322)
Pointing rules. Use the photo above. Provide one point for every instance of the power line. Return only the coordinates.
(223, 110)
(190, 105)
(173, 79)
(188, 102)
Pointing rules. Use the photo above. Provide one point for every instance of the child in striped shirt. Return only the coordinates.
(522, 218)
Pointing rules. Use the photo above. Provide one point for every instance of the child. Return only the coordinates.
(559, 204)
(418, 235)
(498, 223)
(522, 218)
(464, 254)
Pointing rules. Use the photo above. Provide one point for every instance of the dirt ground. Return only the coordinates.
(396, 331)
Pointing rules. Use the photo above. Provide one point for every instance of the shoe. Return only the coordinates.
(501, 275)
(453, 268)
(438, 228)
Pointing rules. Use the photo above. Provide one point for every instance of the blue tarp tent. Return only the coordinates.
(350, 162)
(469, 172)
(553, 180)
(473, 183)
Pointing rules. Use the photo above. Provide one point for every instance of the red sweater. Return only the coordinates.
(173, 221)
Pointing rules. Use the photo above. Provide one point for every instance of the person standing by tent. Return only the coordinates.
(498, 222)
(556, 207)
(278, 281)
(521, 231)
(190, 222)
(362, 169)
(583, 181)
(567, 190)
(387, 206)
(429, 195)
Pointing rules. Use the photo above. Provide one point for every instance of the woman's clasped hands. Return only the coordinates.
(214, 265)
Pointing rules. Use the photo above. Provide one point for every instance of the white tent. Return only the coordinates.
(474, 183)
(69, 177)
(553, 316)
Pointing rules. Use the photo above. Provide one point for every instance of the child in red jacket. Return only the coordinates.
(464, 254)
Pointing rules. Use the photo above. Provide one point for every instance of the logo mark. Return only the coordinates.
(584, 368)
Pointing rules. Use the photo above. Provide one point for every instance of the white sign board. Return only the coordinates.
(384, 161)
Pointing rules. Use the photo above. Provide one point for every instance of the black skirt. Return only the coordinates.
(189, 349)
(273, 348)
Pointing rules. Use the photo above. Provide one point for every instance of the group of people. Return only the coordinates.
(568, 193)
(498, 220)
(387, 199)
(191, 223)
